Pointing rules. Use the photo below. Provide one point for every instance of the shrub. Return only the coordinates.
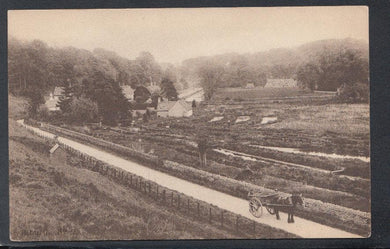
(43, 113)
(358, 92)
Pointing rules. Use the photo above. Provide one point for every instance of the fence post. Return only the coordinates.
(178, 201)
(164, 196)
(172, 198)
(188, 206)
(210, 215)
(150, 189)
(198, 209)
(131, 180)
(222, 218)
(157, 192)
(237, 217)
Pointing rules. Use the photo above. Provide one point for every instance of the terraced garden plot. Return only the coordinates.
(352, 220)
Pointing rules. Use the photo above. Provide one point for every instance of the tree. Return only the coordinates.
(184, 83)
(66, 98)
(237, 72)
(83, 110)
(170, 73)
(331, 69)
(308, 76)
(108, 95)
(154, 98)
(27, 67)
(210, 78)
(346, 66)
(35, 98)
(146, 69)
(168, 89)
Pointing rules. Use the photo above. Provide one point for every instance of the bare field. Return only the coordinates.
(337, 118)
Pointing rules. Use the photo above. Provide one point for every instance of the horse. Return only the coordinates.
(288, 205)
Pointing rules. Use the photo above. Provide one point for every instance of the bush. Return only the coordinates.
(358, 92)
(43, 112)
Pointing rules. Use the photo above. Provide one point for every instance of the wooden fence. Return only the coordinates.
(172, 199)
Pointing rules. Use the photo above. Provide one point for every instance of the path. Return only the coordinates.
(302, 227)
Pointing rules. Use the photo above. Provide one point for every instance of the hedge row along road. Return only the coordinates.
(302, 227)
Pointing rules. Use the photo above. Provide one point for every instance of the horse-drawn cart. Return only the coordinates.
(258, 201)
(273, 203)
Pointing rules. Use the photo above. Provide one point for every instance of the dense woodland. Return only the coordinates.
(34, 69)
(321, 65)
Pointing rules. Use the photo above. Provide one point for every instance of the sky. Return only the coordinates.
(173, 35)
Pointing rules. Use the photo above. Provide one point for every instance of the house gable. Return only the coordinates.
(180, 109)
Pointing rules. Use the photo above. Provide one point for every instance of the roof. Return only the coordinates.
(189, 92)
(186, 105)
(281, 83)
(196, 94)
(142, 90)
(58, 91)
(165, 105)
(128, 91)
(55, 147)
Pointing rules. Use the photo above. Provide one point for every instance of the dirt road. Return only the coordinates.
(302, 227)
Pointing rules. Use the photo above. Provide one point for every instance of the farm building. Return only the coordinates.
(54, 97)
(176, 109)
(57, 154)
(139, 109)
(281, 83)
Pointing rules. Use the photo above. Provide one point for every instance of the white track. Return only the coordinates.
(302, 227)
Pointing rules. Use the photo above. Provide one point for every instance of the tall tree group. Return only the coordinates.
(35, 69)
(332, 69)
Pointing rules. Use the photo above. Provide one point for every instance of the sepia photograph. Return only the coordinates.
(189, 123)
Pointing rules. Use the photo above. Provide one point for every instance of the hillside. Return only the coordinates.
(68, 202)
(17, 107)
(280, 62)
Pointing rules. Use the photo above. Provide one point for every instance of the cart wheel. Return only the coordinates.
(255, 207)
(270, 210)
